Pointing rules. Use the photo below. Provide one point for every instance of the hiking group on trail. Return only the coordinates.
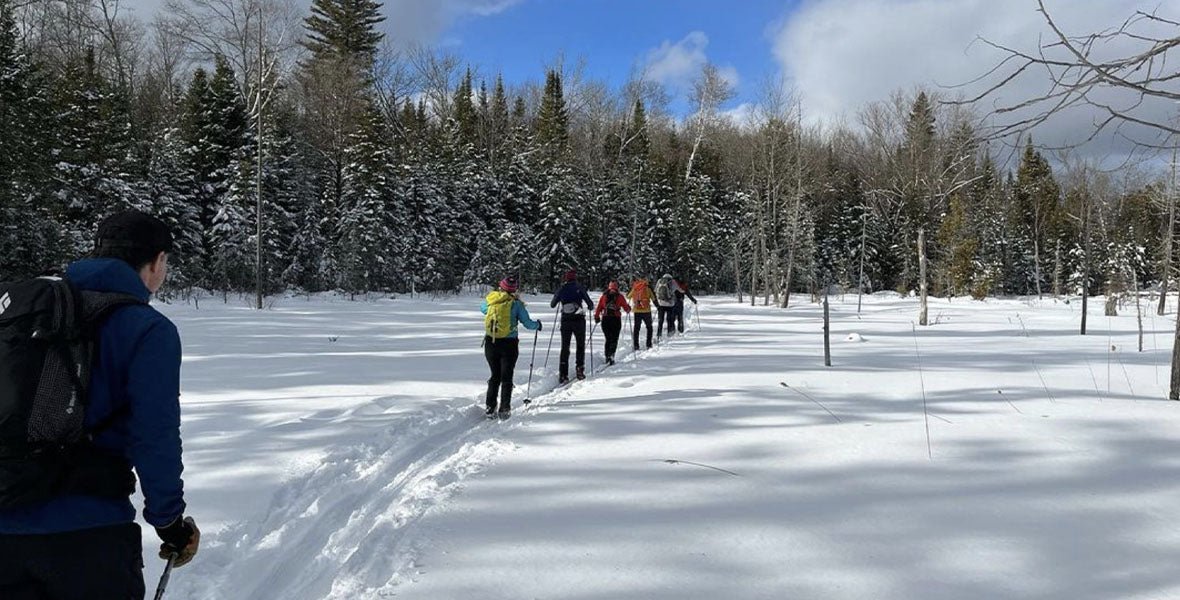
(503, 310)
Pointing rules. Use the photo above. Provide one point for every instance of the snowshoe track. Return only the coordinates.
(347, 529)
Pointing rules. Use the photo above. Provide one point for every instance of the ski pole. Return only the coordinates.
(552, 331)
(165, 577)
(696, 311)
(592, 328)
(528, 395)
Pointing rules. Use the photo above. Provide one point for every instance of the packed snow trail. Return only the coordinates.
(345, 528)
(693, 472)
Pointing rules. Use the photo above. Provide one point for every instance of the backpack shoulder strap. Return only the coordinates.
(97, 307)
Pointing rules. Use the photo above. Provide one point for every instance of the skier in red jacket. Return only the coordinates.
(610, 313)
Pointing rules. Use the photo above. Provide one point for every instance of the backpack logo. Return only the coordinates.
(5, 302)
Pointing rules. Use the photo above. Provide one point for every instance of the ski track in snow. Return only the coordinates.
(347, 529)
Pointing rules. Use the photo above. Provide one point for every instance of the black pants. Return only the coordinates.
(106, 563)
(611, 327)
(641, 319)
(668, 314)
(572, 326)
(678, 318)
(501, 355)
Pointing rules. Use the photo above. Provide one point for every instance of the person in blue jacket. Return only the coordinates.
(503, 310)
(571, 296)
(78, 547)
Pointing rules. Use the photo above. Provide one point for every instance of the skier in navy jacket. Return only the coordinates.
(571, 296)
(78, 546)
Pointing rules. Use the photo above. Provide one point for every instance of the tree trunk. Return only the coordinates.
(1037, 265)
(259, 106)
(1174, 394)
(1169, 237)
(1085, 261)
(1138, 307)
(766, 280)
(754, 274)
(827, 334)
(1057, 269)
(861, 282)
(737, 271)
(922, 320)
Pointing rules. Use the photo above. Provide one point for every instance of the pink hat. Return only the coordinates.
(508, 284)
(571, 275)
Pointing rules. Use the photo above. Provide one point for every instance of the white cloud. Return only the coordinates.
(741, 115)
(676, 64)
(842, 54)
(410, 22)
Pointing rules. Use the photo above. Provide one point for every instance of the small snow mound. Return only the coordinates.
(854, 338)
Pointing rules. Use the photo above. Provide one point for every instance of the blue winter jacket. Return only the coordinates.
(520, 315)
(138, 368)
(571, 296)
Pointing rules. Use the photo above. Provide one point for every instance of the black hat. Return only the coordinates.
(132, 230)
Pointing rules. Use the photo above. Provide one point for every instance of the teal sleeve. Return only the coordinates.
(522, 316)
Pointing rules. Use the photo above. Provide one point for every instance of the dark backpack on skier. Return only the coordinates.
(48, 345)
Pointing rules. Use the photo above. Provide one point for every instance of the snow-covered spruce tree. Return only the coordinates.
(959, 247)
(214, 128)
(344, 29)
(92, 151)
(917, 159)
(363, 235)
(231, 266)
(29, 235)
(561, 202)
(693, 226)
(421, 204)
(989, 227)
(170, 192)
(1038, 212)
(310, 263)
(838, 222)
(284, 193)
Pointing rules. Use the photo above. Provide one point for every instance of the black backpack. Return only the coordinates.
(48, 345)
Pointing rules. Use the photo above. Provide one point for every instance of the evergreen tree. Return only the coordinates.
(92, 152)
(29, 235)
(363, 234)
(465, 117)
(1039, 216)
(960, 247)
(171, 194)
(552, 126)
(215, 131)
(344, 29)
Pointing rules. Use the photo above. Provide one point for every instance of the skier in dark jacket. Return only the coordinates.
(610, 314)
(681, 291)
(571, 296)
(86, 546)
(503, 310)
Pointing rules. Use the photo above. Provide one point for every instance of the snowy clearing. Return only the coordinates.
(335, 449)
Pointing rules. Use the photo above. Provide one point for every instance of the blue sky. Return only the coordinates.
(614, 35)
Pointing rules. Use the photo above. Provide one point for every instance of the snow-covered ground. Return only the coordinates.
(334, 449)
